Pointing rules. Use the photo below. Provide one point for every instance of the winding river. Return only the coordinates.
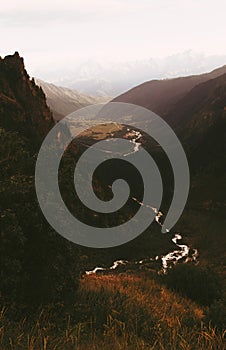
(182, 252)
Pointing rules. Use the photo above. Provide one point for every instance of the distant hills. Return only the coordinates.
(160, 96)
(195, 106)
(63, 101)
(112, 78)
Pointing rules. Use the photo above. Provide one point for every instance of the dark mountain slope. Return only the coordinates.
(37, 265)
(200, 121)
(201, 106)
(22, 103)
(161, 95)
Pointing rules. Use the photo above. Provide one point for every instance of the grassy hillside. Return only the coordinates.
(116, 312)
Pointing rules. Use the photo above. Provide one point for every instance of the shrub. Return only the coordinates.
(199, 284)
(216, 313)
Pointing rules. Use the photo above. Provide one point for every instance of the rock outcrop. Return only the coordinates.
(23, 105)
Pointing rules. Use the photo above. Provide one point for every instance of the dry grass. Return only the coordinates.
(163, 305)
(120, 312)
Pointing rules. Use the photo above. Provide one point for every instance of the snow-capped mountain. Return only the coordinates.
(105, 78)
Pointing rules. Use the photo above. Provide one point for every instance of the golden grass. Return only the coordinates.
(157, 300)
(117, 312)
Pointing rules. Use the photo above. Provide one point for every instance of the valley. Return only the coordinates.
(158, 291)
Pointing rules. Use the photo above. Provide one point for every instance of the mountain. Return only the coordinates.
(63, 101)
(34, 259)
(161, 95)
(23, 105)
(113, 77)
(201, 107)
(195, 107)
(199, 119)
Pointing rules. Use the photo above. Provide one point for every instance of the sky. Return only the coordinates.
(68, 32)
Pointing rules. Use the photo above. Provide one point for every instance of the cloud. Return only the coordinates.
(26, 13)
(65, 6)
(48, 30)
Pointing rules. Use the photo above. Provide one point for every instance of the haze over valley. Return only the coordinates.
(142, 85)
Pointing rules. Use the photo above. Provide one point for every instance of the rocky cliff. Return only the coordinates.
(23, 105)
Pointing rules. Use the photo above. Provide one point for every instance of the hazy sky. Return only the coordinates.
(65, 31)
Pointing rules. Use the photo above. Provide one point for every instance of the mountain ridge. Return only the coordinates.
(208, 97)
(63, 101)
(161, 95)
